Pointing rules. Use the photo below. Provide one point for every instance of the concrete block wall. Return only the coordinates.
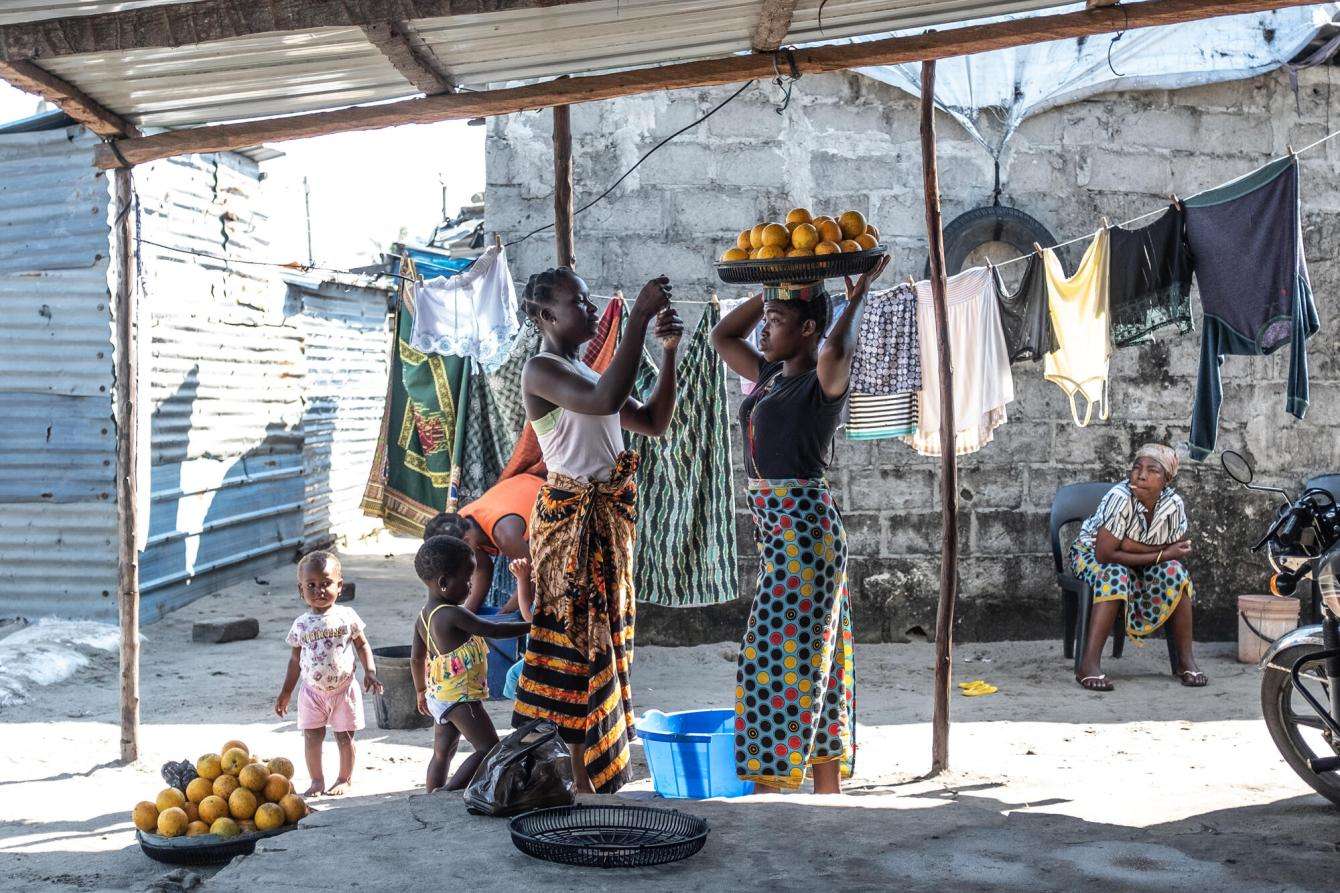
(850, 142)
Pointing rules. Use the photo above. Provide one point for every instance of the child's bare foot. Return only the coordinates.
(341, 786)
(314, 789)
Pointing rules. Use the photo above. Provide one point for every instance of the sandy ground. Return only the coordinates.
(1150, 787)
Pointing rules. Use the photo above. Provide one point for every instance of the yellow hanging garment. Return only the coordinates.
(1078, 308)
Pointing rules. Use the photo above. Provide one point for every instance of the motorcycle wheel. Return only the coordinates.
(1294, 727)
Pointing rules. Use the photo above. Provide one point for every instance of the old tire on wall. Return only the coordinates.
(993, 223)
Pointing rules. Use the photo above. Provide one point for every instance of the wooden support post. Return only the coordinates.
(944, 616)
(127, 422)
(563, 230)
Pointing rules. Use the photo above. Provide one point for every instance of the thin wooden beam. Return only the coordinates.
(68, 98)
(774, 20)
(563, 230)
(187, 23)
(710, 72)
(127, 421)
(944, 615)
(411, 58)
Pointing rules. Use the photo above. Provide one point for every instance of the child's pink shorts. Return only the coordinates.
(341, 709)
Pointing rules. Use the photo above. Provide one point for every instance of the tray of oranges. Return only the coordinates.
(803, 249)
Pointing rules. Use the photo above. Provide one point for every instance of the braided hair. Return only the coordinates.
(816, 308)
(540, 290)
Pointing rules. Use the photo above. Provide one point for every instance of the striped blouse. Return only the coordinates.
(1121, 516)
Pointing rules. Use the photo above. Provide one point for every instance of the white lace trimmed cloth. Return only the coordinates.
(470, 314)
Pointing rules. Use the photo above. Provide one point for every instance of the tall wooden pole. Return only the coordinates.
(944, 616)
(127, 424)
(563, 186)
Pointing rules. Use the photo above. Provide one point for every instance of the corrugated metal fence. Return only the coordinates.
(57, 439)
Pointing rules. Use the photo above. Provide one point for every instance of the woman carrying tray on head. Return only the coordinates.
(581, 534)
(795, 683)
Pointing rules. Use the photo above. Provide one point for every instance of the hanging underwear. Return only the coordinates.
(1023, 315)
(1079, 315)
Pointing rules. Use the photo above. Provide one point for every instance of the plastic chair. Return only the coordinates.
(1072, 504)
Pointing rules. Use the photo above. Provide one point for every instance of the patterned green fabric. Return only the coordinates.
(505, 384)
(412, 467)
(686, 551)
(486, 442)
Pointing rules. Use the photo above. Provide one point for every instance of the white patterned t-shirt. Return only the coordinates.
(327, 643)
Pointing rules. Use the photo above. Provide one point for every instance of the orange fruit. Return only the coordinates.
(238, 744)
(208, 767)
(771, 252)
(828, 246)
(224, 786)
(192, 811)
(277, 787)
(872, 230)
(805, 236)
(269, 816)
(225, 827)
(735, 254)
(145, 816)
(234, 758)
(849, 245)
(775, 236)
(294, 807)
(253, 777)
(753, 253)
(195, 829)
(199, 789)
(282, 765)
(742, 241)
(852, 224)
(756, 236)
(172, 822)
(866, 241)
(799, 215)
(829, 231)
(213, 808)
(246, 826)
(242, 804)
(800, 252)
(168, 798)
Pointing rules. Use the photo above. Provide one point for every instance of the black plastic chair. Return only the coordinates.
(1072, 504)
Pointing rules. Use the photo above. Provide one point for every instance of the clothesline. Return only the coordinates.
(1158, 211)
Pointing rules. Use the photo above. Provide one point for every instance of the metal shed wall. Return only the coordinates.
(345, 343)
(225, 396)
(57, 439)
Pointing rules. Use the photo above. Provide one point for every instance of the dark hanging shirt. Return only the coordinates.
(788, 425)
(1024, 316)
(1149, 279)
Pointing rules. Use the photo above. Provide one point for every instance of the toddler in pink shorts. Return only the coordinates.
(325, 640)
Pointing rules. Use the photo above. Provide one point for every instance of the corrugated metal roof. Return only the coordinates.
(37, 10)
(57, 442)
(280, 74)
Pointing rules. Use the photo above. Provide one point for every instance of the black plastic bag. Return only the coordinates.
(529, 769)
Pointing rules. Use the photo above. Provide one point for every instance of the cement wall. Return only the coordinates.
(850, 142)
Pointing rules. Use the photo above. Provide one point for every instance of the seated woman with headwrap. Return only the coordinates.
(1132, 550)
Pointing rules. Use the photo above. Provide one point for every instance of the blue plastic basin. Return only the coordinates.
(691, 753)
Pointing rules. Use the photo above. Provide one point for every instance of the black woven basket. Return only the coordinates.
(799, 269)
(207, 849)
(609, 836)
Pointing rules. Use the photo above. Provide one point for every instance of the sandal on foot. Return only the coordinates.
(1095, 683)
(1192, 678)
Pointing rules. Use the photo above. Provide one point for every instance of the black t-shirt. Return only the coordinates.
(788, 425)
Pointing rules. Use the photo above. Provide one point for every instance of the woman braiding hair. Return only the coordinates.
(795, 678)
(581, 537)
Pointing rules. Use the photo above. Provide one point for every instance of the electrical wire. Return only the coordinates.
(624, 175)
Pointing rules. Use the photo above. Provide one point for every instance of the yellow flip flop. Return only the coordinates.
(977, 688)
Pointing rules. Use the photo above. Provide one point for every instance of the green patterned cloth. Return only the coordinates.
(505, 383)
(486, 442)
(412, 467)
(686, 553)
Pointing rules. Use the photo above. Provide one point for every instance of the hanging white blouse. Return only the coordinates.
(470, 314)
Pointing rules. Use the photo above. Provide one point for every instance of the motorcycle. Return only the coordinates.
(1300, 680)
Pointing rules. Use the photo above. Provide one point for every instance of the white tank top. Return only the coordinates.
(581, 446)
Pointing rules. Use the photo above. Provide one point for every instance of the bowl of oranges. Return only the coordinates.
(217, 807)
(803, 249)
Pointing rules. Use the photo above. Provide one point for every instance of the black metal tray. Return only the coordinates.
(609, 836)
(799, 269)
(206, 849)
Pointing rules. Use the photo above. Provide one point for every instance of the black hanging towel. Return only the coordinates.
(1149, 279)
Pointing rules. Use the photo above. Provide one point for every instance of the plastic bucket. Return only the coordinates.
(691, 754)
(397, 707)
(1261, 620)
